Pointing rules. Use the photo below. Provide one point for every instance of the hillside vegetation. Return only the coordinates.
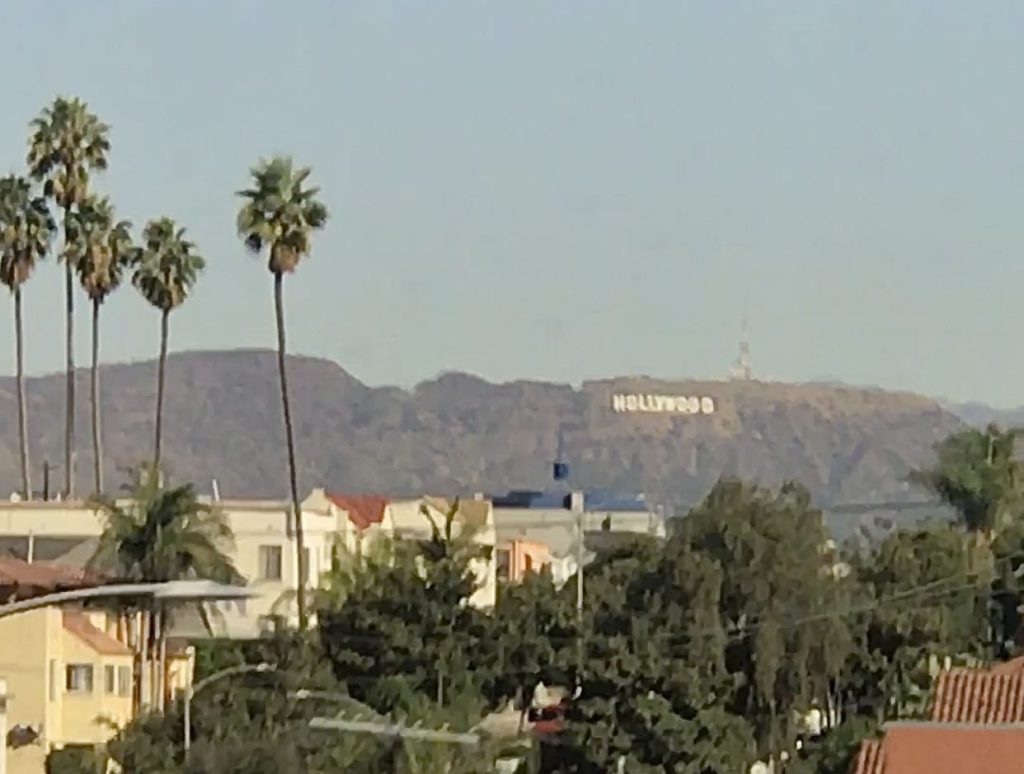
(459, 433)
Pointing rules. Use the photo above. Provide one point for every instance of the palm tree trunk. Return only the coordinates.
(161, 369)
(161, 658)
(19, 343)
(97, 444)
(144, 658)
(69, 375)
(300, 547)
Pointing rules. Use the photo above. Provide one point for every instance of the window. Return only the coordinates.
(78, 678)
(270, 563)
(124, 681)
(504, 563)
(51, 678)
(109, 679)
(306, 569)
(527, 563)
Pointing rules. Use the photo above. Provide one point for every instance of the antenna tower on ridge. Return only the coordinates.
(741, 368)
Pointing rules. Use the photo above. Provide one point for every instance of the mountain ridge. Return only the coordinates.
(460, 433)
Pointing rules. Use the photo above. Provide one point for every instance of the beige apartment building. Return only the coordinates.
(69, 683)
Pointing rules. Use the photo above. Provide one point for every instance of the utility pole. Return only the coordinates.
(576, 505)
(560, 472)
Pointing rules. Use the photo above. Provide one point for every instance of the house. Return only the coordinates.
(69, 679)
(943, 748)
(553, 519)
(976, 725)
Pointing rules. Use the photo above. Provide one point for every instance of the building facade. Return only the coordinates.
(553, 519)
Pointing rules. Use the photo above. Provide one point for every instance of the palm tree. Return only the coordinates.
(161, 535)
(166, 269)
(279, 216)
(100, 249)
(67, 144)
(26, 230)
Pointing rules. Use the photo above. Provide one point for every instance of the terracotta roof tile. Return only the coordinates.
(978, 696)
(1012, 667)
(946, 748)
(39, 577)
(363, 509)
(97, 639)
(870, 758)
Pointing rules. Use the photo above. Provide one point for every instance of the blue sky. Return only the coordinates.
(568, 190)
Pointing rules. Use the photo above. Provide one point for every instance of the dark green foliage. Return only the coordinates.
(403, 627)
(163, 534)
(75, 760)
(698, 654)
(978, 474)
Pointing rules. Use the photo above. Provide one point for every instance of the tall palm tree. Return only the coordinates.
(166, 269)
(26, 230)
(100, 248)
(278, 217)
(161, 535)
(66, 145)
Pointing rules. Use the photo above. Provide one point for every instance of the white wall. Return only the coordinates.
(254, 523)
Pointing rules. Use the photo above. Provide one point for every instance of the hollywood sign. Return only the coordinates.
(662, 404)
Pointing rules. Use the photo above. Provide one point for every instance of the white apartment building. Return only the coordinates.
(554, 519)
(264, 546)
(263, 552)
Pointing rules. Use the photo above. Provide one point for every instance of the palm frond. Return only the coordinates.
(166, 265)
(279, 213)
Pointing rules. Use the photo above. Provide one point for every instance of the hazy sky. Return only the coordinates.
(567, 189)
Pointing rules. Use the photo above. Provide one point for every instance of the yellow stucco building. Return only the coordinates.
(69, 683)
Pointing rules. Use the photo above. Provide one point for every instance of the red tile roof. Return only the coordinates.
(29, 579)
(97, 639)
(1011, 667)
(978, 696)
(363, 509)
(946, 748)
(870, 758)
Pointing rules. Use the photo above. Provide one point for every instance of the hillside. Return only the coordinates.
(461, 433)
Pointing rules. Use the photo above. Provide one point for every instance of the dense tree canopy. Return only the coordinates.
(747, 635)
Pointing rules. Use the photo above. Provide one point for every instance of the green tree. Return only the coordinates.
(405, 628)
(161, 534)
(654, 683)
(166, 269)
(67, 144)
(978, 474)
(781, 589)
(100, 248)
(26, 230)
(925, 605)
(533, 630)
(278, 217)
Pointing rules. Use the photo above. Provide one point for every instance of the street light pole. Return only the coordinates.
(192, 690)
(169, 591)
